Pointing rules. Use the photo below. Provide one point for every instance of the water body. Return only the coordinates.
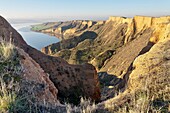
(34, 39)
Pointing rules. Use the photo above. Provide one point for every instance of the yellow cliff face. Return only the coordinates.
(139, 31)
(162, 31)
(161, 28)
(160, 20)
(58, 30)
(100, 22)
(120, 19)
(88, 23)
(159, 25)
(70, 31)
(123, 20)
(142, 22)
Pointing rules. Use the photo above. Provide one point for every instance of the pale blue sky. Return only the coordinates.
(82, 9)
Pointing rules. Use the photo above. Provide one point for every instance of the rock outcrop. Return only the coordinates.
(35, 83)
(148, 82)
(70, 80)
(152, 68)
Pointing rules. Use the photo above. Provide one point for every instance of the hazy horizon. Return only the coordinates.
(57, 10)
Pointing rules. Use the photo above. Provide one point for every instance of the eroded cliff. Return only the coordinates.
(148, 86)
(127, 37)
(130, 54)
(70, 80)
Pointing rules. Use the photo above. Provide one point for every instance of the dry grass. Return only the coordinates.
(151, 98)
(7, 98)
(6, 50)
(149, 84)
(85, 106)
(10, 71)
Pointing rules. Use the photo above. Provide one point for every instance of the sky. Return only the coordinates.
(81, 9)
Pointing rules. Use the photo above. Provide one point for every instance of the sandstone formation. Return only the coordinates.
(152, 68)
(127, 37)
(148, 75)
(70, 80)
(118, 42)
(64, 30)
(148, 81)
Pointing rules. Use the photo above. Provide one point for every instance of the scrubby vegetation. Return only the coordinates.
(152, 97)
(10, 71)
(102, 57)
(141, 101)
(85, 106)
(40, 27)
(11, 98)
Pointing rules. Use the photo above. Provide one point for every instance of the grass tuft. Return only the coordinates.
(85, 106)
(6, 50)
